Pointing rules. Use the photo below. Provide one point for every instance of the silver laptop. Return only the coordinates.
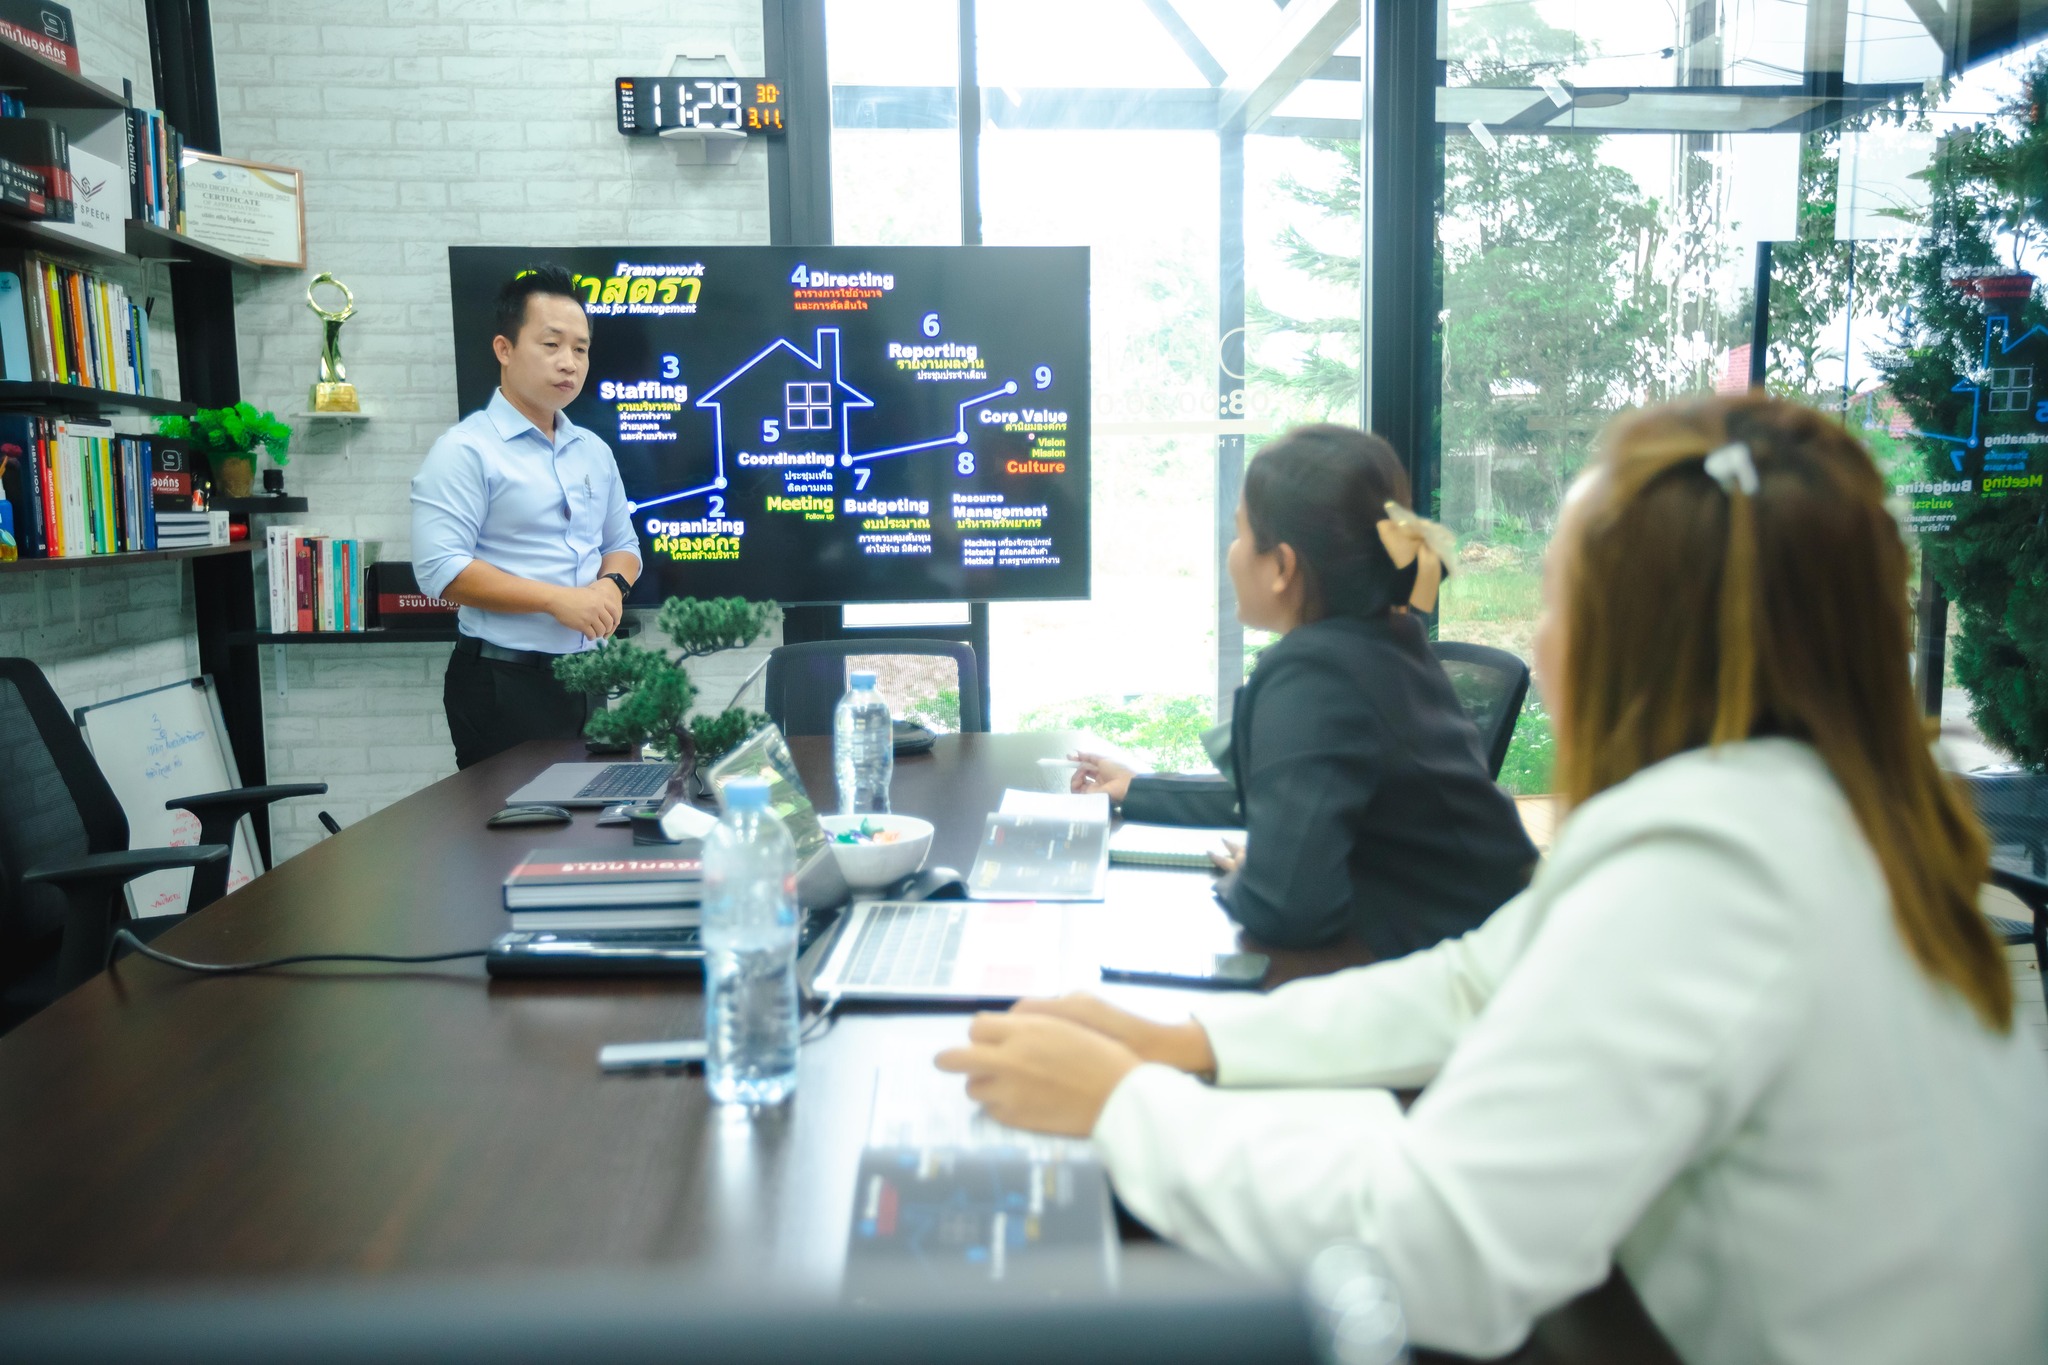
(594, 784)
(959, 950)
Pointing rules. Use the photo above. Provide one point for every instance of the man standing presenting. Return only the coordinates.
(519, 518)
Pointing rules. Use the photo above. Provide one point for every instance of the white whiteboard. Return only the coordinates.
(156, 746)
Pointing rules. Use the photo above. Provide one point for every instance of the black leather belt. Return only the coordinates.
(484, 649)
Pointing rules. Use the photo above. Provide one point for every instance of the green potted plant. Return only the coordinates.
(652, 693)
(230, 437)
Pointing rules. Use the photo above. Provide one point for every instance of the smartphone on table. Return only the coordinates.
(1216, 971)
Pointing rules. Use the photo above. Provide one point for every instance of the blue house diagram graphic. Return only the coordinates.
(780, 395)
(2004, 385)
(786, 399)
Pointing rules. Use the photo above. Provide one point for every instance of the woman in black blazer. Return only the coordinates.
(1369, 810)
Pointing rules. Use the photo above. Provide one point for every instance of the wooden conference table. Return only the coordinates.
(342, 1120)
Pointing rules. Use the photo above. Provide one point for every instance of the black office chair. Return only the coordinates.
(806, 681)
(1491, 685)
(2014, 810)
(64, 854)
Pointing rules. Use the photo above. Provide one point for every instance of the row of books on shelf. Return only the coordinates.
(40, 169)
(72, 488)
(68, 326)
(156, 170)
(316, 580)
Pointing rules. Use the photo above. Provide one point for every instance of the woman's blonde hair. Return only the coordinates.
(1698, 612)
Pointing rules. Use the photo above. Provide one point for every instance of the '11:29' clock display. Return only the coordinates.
(652, 105)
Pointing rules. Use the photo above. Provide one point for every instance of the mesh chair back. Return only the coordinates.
(54, 804)
(805, 681)
(1490, 684)
(2014, 810)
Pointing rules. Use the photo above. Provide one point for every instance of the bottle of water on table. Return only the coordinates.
(863, 749)
(750, 931)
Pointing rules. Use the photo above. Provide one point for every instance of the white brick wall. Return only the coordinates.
(107, 631)
(102, 632)
(420, 124)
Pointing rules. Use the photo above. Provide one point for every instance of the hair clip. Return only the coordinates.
(1732, 467)
(1410, 539)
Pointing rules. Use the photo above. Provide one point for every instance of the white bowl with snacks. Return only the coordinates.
(876, 850)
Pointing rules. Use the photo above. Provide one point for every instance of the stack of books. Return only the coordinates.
(156, 174)
(36, 154)
(72, 488)
(65, 325)
(316, 580)
(578, 889)
(190, 530)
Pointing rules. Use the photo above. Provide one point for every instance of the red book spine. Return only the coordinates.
(45, 449)
(302, 560)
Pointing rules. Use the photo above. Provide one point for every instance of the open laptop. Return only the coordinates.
(959, 951)
(594, 784)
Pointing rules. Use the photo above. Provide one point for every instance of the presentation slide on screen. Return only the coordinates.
(829, 424)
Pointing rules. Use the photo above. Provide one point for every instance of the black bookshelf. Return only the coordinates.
(148, 242)
(237, 547)
(39, 81)
(40, 236)
(375, 635)
(77, 398)
(259, 502)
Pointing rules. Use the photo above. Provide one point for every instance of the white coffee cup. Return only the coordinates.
(1057, 774)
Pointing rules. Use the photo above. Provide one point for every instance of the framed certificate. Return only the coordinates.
(254, 210)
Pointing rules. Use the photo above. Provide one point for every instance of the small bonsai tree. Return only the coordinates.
(653, 693)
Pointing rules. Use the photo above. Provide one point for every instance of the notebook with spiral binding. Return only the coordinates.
(1143, 845)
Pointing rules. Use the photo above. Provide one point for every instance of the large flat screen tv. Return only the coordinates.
(828, 424)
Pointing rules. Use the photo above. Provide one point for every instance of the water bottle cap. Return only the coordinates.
(863, 680)
(746, 793)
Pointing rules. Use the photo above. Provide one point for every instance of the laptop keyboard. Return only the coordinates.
(908, 945)
(626, 782)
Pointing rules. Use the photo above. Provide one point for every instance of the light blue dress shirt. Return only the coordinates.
(496, 488)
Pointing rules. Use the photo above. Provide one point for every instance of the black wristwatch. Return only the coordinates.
(625, 588)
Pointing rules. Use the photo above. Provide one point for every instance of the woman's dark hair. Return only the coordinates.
(539, 279)
(1324, 489)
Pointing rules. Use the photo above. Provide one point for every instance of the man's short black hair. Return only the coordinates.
(538, 279)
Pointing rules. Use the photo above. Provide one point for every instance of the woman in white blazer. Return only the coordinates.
(1747, 1034)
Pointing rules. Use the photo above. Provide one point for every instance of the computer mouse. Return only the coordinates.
(930, 884)
(528, 815)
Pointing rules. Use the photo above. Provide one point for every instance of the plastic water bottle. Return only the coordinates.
(750, 930)
(863, 749)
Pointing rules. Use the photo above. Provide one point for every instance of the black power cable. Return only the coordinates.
(124, 937)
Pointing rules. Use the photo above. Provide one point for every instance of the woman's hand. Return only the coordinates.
(1228, 860)
(1183, 1046)
(1039, 1072)
(1099, 774)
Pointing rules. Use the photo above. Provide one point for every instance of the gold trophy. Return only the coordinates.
(333, 393)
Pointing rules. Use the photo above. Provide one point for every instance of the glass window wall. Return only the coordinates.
(1614, 177)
